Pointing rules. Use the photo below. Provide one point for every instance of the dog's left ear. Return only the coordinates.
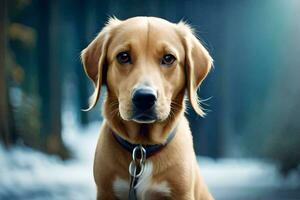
(198, 63)
(94, 59)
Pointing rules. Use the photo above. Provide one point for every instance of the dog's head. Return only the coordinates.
(146, 63)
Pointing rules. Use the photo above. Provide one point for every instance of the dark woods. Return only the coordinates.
(254, 87)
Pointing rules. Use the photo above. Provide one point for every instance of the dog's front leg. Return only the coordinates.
(105, 195)
(191, 196)
(187, 196)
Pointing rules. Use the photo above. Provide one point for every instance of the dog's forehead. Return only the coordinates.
(143, 31)
(147, 24)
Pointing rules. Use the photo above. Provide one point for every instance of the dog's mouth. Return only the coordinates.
(144, 117)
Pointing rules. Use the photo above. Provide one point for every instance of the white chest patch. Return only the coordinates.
(145, 188)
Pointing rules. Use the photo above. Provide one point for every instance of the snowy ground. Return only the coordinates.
(27, 174)
(248, 179)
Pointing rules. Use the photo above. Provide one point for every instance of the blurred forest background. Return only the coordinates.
(254, 109)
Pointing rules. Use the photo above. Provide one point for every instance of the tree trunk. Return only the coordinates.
(81, 18)
(6, 122)
(50, 78)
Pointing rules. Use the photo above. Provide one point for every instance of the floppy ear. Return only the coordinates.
(94, 57)
(198, 63)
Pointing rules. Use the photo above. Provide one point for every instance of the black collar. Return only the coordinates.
(150, 148)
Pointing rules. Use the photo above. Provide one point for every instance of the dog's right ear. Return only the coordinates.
(94, 56)
(198, 64)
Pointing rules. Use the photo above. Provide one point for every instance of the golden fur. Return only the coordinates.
(148, 39)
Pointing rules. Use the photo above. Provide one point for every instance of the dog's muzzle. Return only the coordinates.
(143, 101)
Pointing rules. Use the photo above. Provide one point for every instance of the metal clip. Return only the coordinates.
(136, 166)
(136, 169)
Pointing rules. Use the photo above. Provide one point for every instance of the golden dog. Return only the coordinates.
(147, 65)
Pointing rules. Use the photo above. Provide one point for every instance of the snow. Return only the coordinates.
(244, 173)
(28, 174)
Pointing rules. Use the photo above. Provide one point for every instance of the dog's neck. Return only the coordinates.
(150, 149)
(138, 133)
(147, 134)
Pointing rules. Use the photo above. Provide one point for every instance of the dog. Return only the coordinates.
(148, 66)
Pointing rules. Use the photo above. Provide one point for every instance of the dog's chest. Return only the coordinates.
(147, 188)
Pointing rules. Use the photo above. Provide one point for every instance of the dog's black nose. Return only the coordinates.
(144, 98)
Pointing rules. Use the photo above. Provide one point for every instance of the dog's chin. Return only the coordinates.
(140, 121)
(144, 119)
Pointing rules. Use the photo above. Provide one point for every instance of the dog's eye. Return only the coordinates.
(124, 58)
(168, 59)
